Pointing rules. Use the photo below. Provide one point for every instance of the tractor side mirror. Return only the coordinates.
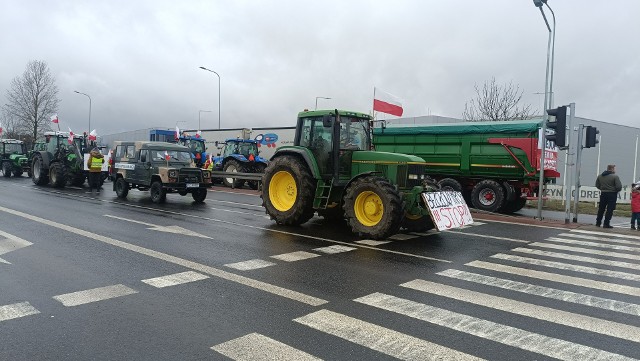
(216, 143)
(326, 121)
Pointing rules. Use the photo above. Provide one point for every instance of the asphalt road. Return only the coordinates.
(85, 278)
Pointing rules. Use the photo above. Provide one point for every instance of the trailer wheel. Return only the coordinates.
(373, 207)
(39, 175)
(514, 205)
(288, 190)
(450, 184)
(487, 195)
(233, 166)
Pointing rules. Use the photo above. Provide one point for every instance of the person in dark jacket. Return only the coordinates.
(94, 163)
(609, 185)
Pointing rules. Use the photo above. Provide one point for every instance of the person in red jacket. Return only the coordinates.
(635, 206)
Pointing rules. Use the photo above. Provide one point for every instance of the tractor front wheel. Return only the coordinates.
(6, 169)
(233, 166)
(56, 174)
(39, 175)
(373, 207)
(288, 191)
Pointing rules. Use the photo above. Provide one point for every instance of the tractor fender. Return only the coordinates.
(303, 153)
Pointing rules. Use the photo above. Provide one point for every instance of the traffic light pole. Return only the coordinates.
(567, 182)
(576, 198)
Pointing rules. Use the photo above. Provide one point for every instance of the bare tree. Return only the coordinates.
(496, 103)
(32, 99)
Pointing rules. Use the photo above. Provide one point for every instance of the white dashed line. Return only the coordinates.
(94, 295)
(295, 256)
(250, 264)
(175, 279)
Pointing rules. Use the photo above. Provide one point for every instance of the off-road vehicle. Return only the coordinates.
(13, 158)
(158, 167)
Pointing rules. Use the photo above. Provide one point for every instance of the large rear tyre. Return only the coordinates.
(288, 191)
(234, 167)
(158, 194)
(199, 195)
(373, 207)
(57, 176)
(39, 175)
(6, 169)
(122, 188)
(450, 184)
(488, 195)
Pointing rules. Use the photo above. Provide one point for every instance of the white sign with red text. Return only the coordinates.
(550, 151)
(448, 209)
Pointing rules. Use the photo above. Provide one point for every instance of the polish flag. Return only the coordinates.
(386, 103)
(177, 135)
(54, 118)
(198, 133)
(70, 140)
(166, 156)
(1, 129)
(93, 135)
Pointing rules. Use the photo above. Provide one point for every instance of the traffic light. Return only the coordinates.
(592, 134)
(560, 126)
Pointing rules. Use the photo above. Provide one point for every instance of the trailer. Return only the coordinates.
(495, 165)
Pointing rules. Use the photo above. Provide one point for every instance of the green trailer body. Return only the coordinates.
(494, 164)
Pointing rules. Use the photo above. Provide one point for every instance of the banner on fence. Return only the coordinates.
(448, 209)
(587, 194)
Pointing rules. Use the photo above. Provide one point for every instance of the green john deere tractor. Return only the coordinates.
(331, 170)
(13, 158)
(57, 160)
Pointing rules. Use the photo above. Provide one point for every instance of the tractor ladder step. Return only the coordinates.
(323, 191)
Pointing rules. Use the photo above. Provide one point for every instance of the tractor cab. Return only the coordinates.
(197, 147)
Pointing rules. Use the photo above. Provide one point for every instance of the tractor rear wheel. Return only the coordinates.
(199, 195)
(373, 207)
(6, 169)
(158, 194)
(487, 195)
(234, 167)
(57, 176)
(122, 188)
(288, 190)
(39, 175)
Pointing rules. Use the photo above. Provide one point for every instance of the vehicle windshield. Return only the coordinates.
(196, 146)
(172, 155)
(354, 134)
(245, 149)
(14, 148)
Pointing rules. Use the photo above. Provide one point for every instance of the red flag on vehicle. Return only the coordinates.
(166, 155)
(386, 103)
(70, 140)
(198, 133)
(0, 128)
(93, 135)
(54, 118)
(177, 135)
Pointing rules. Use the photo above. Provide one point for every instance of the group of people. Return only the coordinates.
(609, 185)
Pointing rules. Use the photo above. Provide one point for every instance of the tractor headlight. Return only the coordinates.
(413, 176)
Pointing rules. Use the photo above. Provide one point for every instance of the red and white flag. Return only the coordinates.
(1, 129)
(177, 135)
(386, 103)
(93, 135)
(70, 140)
(54, 118)
(198, 134)
(166, 156)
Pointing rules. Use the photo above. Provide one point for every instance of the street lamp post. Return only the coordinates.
(87, 95)
(203, 68)
(200, 112)
(548, 88)
(317, 101)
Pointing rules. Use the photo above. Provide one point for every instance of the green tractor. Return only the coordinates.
(13, 157)
(57, 160)
(331, 170)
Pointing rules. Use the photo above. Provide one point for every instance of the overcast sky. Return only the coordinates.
(138, 60)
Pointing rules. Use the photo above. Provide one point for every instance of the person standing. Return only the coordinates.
(609, 185)
(635, 206)
(94, 163)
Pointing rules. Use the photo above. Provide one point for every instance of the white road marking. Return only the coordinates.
(94, 295)
(370, 242)
(568, 267)
(507, 335)
(17, 310)
(570, 280)
(11, 243)
(334, 249)
(273, 289)
(255, 346)
(570, 319)
(250, 264)
(586, 250)
(254, 214)
(169, 229)
(488, 236)
(522, 224)
(601, 239)
(381, 339)
(295, 256)
(606, 234)
(175, 279)
(572, 257)
(402, 237)
(547, 292)
(593, 244)
(237, 203)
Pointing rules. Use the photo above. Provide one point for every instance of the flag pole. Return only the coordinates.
(373, 104)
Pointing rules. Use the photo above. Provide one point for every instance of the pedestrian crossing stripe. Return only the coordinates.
(601, 239)
(175, 279)
(546, 292)
(571, 257)
(17, 310)
(607, 234)
(585, 250)
(257, 347)
(593, 244)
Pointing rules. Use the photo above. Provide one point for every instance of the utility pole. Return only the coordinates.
(576, 198)
(567, 182)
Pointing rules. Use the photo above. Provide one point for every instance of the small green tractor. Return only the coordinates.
(13, 158)
(332, 170)
(58, 160)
